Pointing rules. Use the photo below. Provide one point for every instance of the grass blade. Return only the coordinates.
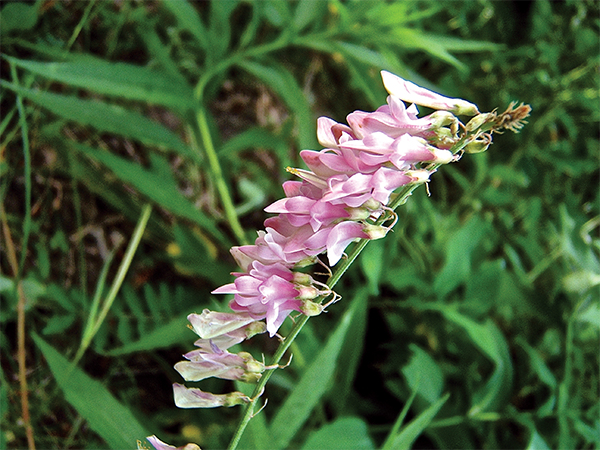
(105, 414)
(311, 387)
(106, 117)
(408, 435)
(115, 79)
(154, 187)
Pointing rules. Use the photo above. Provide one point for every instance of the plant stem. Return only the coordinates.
(215, 166)
(118, 281)
(18, 270)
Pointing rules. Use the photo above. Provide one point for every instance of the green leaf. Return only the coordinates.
(458, 256)
(116, 79)
(408, 434)
(164, 336)
(106, 117)
(537, 442)
(423, 375)
(284, 84)
(305, 13)
(155, 188)
(372, 263)
(352, 350)
(18, 16)
(188, 19)
(362, 54)
(344, 433)
(104, 414)
(311, 387)
(493, 344)
(277, 12)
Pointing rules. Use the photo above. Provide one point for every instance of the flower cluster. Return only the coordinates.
(343, 197)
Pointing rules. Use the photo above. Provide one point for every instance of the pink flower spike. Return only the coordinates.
(160, 445)
(410, 92)
(195, 398)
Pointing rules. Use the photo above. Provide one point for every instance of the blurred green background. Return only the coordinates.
(487, 290)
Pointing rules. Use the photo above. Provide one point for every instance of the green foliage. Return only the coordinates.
(475, 324)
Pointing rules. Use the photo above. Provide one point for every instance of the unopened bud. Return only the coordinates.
(419, 176)
(444, 118)
(302, 278)
(477, 146)
(307, 292)
(195, 398)
(442, 156)
(359, 213)
(479, 120)
(375, 231)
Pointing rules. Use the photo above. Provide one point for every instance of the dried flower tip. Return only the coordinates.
(513, 119)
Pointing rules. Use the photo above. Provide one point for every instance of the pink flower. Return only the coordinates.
(330, 133)
(393, 119)
(410, 92)
(160, 445)
(218, 363)
(336, 239)
(195, 398)
(267, 291)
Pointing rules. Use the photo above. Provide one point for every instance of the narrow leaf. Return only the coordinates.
(164, 336)
(408, 435)
(106, 117)
(188, 19)
(153, 187)
(104, 414)
(284, 84)
(313, 384)
(116, 79)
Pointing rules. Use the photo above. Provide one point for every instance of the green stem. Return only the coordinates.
(117, 282)
(215, 166)
(27, 177)
(564, 440)
(206, 137)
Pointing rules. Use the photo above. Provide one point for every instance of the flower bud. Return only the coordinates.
(311, 308)
(307, 292)
(442, 156)
(375, 231)
(418, 176)
(479, 120)
(477, 146)
(302, 278)
(444, 118)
